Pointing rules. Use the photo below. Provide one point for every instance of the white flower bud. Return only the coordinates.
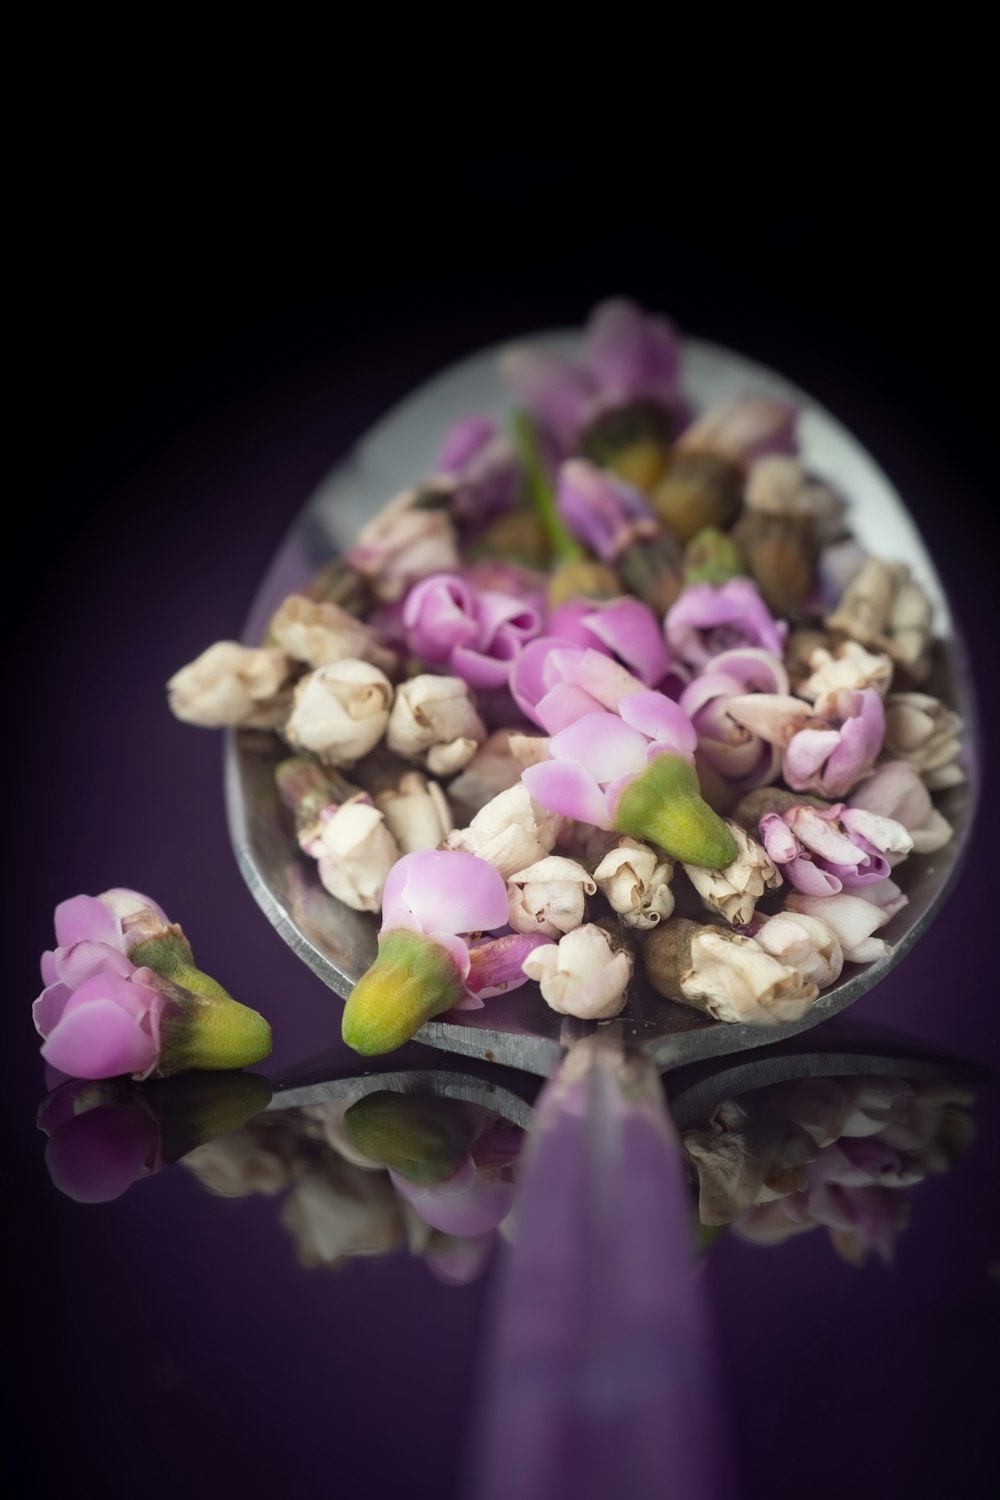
(735, 980)
(549, 896)
(897, 791)
(735, 890)
(317, 633)
(416, 812)
(920, 729)
(230, 686)
(340, 711)
(355, 851)
(803, 943)
(850, 667)
(779, 486)
(529, 749)
(403, 543)
(435, 724)
(852, 921)
(635, 879)
(581, 975)
(510, 833)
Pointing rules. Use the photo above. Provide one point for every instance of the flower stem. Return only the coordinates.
(564, 544)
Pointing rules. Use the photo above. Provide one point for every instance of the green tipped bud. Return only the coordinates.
(632, 441)
(205, 1028)
(411, 980)
(198, 1107)
(712, 557)
(664, 806)
(424, 1139)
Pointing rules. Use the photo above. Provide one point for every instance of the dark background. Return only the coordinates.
(200, 333)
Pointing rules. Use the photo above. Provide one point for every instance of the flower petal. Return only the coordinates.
(80, 962)
(445, 890)
(661, 719)
(99, 1040)
(603, 744)
(86, 919)
(563, 786)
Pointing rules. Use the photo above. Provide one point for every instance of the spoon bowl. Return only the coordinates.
(519, 1030)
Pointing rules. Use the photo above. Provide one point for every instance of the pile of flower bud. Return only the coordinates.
(614, 691)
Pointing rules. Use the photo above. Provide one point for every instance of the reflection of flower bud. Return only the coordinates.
(340, 711)
(320, 632)
(921, 730)
(735, 890)
(435, 724)
(342, 1211)
(549, 896)
(424, 1139)
(698, 490)
(230, 685)
(635, 880)
(242, 1163)
(723, 973)
(510, 832)
(582, 975)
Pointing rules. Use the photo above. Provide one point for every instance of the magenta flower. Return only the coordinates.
(739, 755)
(825, 850)
(477, 634)
(602, 511)
(628, 766)
(483, 463)
(630, 356)
(436, 905)
(826, 748)
(102, 1015)
(708, 619)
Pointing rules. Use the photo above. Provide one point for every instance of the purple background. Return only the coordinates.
(181, 419)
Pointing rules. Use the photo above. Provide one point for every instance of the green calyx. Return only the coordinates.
(712, 557)
(425, 1140)
(664, 806)
(411, 980)
(204, 1028)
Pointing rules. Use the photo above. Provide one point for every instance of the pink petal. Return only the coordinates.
(778, 839)
(48, 966)
(631, 353)
(493, 610)
(563, 786)
(661, 719)
(447, 891)
(463, 440)
(603, 744)
(631, 630)
(47, 1010)
(806, 876)
(478, 670)
(567, 622)
(496, 965)
(100, 1040)
(754, 668)
(604, 679)
(483, 1206)
(79, 963)
(806, 753)
(529, 681)
(818, 830)
(86, 919)
(562, 706)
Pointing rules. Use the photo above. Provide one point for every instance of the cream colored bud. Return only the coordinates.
(435, 724)
(582, 975)
(233, 686)
(416, 812)
(780, 486)
(852, 920)
(529, 749)
(863, 611)
(406, 541)
(803, 943)
(318, 632)
(921, 730)
(510, 833)
(355, 851)
(491, 770)
(735, 980)
(549, 896)
(635, 879)
(340, 711)
(849, 668)
(734, 890)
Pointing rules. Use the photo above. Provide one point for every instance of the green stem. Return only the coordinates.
(564, 544)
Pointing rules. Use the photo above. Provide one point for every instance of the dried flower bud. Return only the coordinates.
(698, 490)
(549, 896)
(435, 724)
(735, 890)
(909, 628)
(416, 812)
(320, 632)
(492, 770)
(230, 686)
(851, 919)
(921, 730)
(799, 648)
(863, 610)
(519, 537)
(896, 790)
(779, 486)
(510, 833)
(340, 711)
(355, 851)
(635, 879)
(712, 556)
(884, 607)
(781, 553)
(803, 943)
(772, 799)
(654, 570)
(848, 667)
(582, 975)
(723, 973)
(633, 441)
(529, 749)
(582, 579)
(311, 791)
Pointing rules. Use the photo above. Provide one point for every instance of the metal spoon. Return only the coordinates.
(519, 1030)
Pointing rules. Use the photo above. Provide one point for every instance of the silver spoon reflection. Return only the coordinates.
(519, 1030)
